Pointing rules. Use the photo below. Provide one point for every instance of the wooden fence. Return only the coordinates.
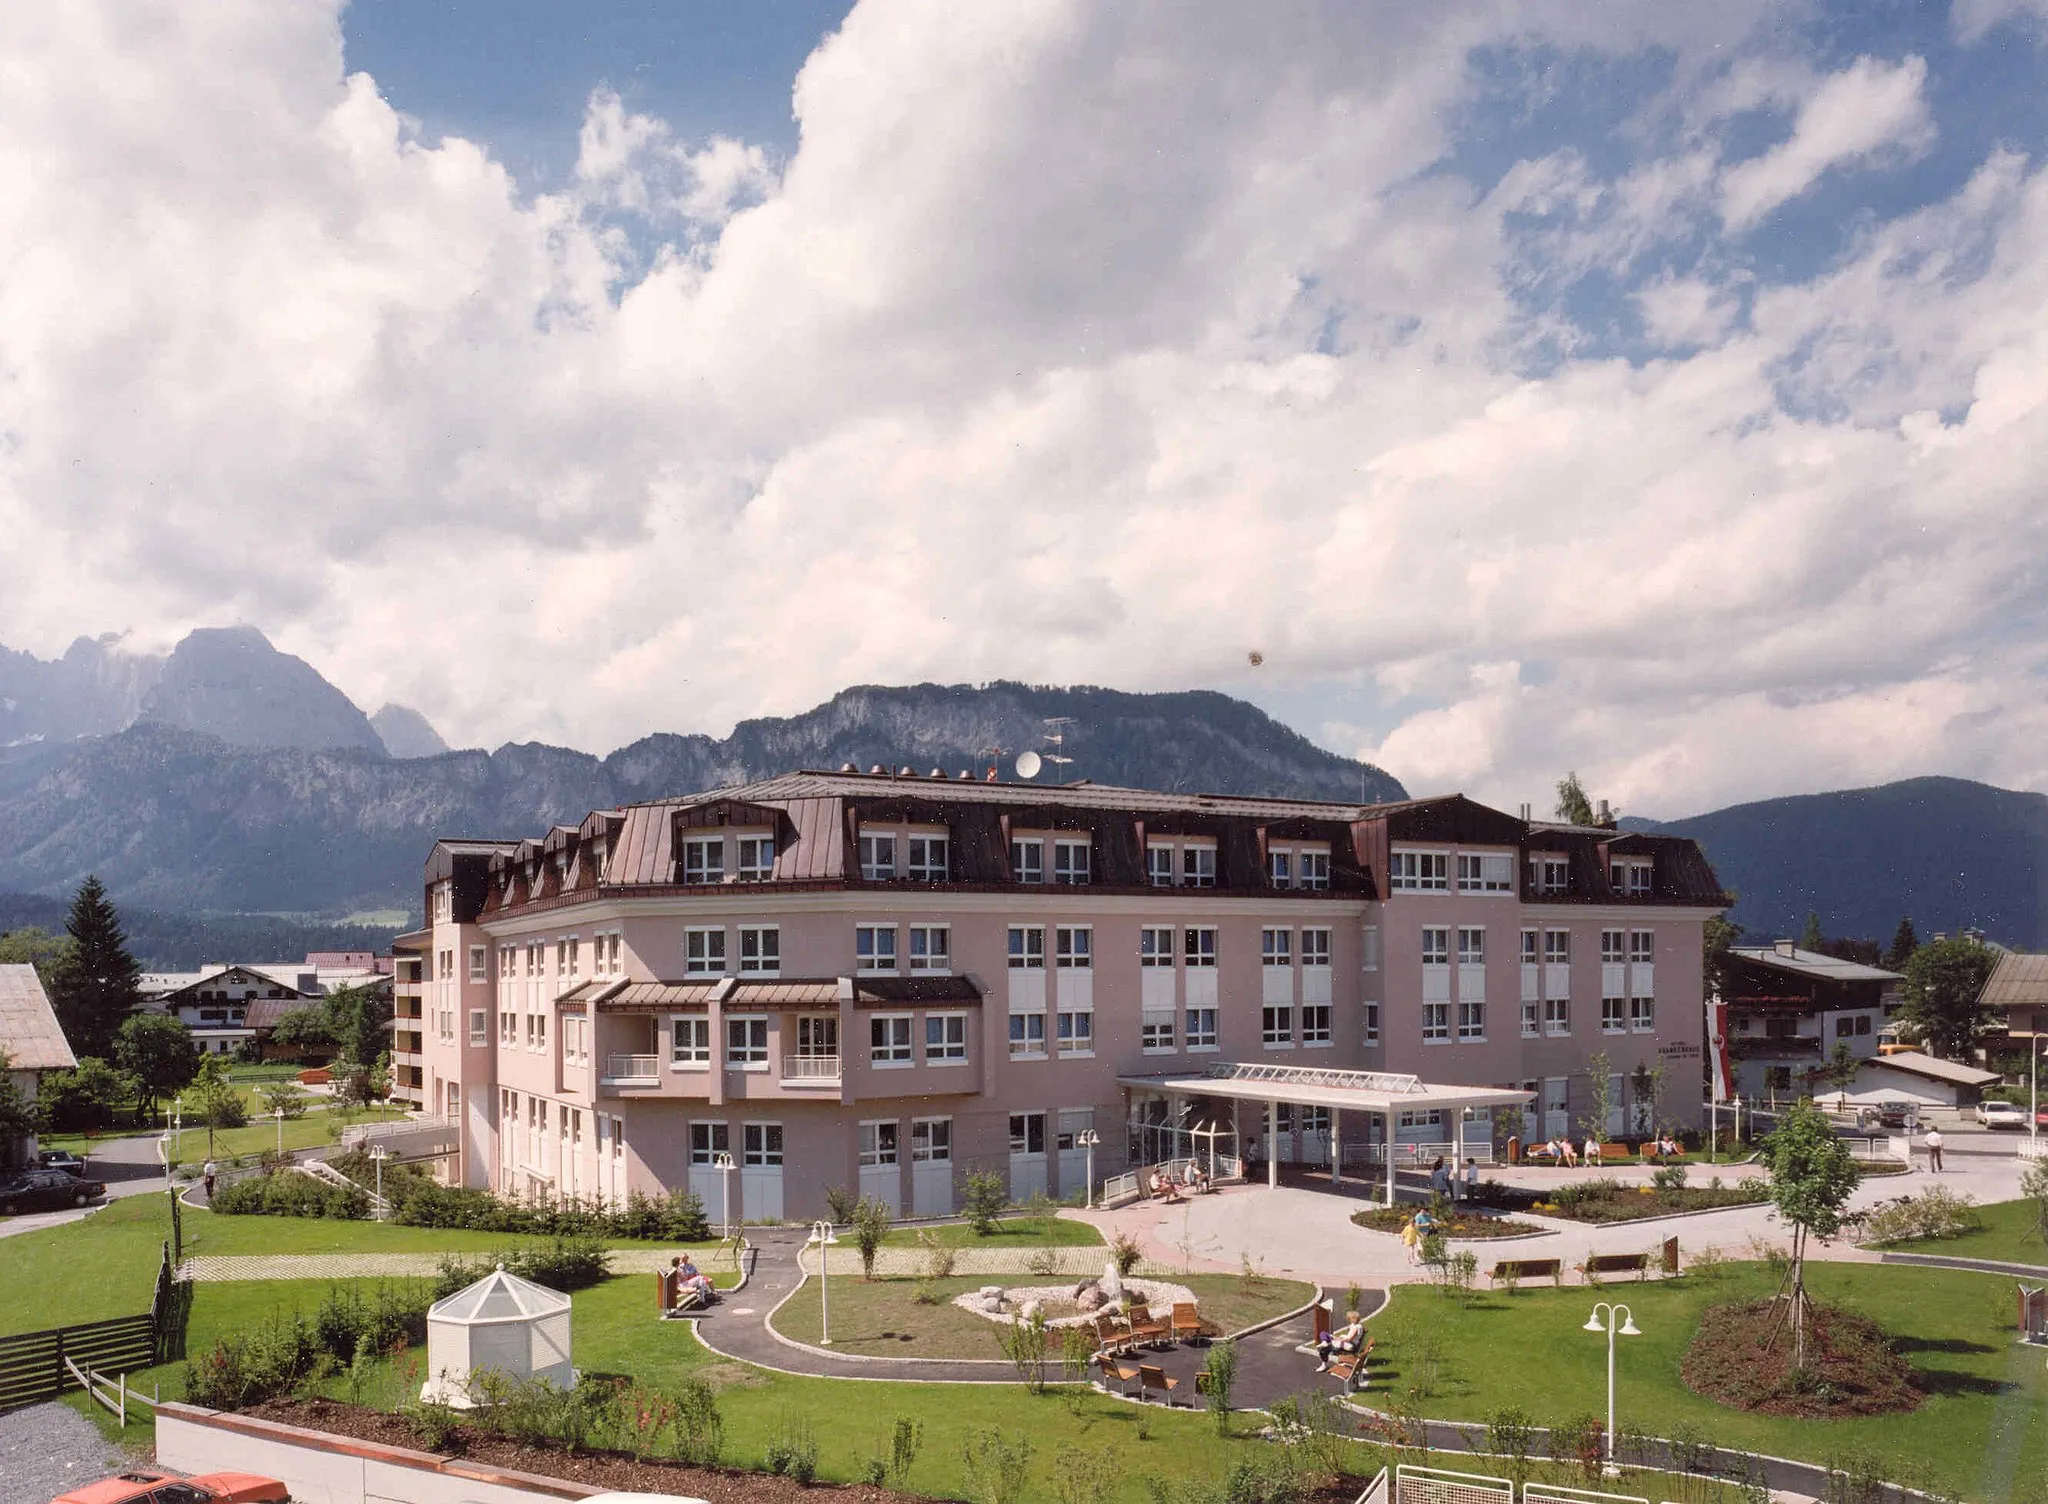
(33, 1365)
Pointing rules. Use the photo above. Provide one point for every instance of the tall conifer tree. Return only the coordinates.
(98, 984)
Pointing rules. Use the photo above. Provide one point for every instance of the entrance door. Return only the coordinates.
(1557, 1122)
(881, 1165)
(1027, 1155)
(931, 1167)
(707, 1142)
(761, 1171)
(1312, 1135)
(1074, 1121)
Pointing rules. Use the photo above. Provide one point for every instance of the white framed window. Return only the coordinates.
(945, 1038)
(1027, 1133)
(1529, 955)
(1471, 1021)
(760, 950)
(1642, 1016)
(479, 1026)
(1076, 1032)
(928, 855)
(1280, 866)
(1073, 947)
(1369, 1023)
(1557, 947)
(757, 860)
(1420, 871)
(540, 1033)
(479, 964)
(1027, 947)
(1312, 870)
(508, 1028)
(878, 856)
(1276, 947)
(1198, 865)
(1642, 946)
(707, 1142)
(1436, 946)
(1155, 945)
(1201, 1024)
(874, 949)
(1315, 1024)
(878, 1144)
(1071, 862)
(1557, 1016)
(1276, 1026)
(817, 1036)
(1471, 946)
(931, 949)
(1613, 1015)
(889, 1040)
(444, 902)
(1532, 1021)
(704, 859)
(1631, 875)
(1369, 948)
(1155, 1033)
(746, 1043)
(761, 1144)
(1159, 865)
(1613, 947)
(1198, 945)
(704, 952)
(1436, 1023)
(1027, 1036)
(689, 1042)
(1027, 860)
(931, 1140)
(1315, 947)
(1486, 872)
(1550, 876)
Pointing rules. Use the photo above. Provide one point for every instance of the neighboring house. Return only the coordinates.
(214, 1003)
(881, 982)
(1788, 1008)
(34, 1042)
(2016, 993)
(409, 957)
(1921, 1078)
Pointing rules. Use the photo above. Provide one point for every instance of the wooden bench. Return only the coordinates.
(1350, 1367)
(1520, 1269)
(1615, 1152)
(1152, 1377)
(1598, 1264)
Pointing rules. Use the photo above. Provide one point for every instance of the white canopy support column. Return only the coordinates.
(1273, 1144)
(1336, 1146)
(1387, 1144)
(1457, 1147)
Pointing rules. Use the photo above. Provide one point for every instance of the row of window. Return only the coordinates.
(1494, 872)
(606, 958)
(816, 1039)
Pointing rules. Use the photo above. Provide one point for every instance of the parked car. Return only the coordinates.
(2001, 1115)
(45, 1190)
(144, 1487)
(62, 1159)
(1889, 1115)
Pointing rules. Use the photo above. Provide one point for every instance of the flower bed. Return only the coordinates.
(1468, 1225)
(1603, 1200)
(1851, 1367)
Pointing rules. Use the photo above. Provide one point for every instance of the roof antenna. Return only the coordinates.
(1057, 735)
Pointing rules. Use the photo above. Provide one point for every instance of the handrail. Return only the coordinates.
(632, 1067)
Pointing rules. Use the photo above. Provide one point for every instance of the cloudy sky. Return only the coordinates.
(1656, 391)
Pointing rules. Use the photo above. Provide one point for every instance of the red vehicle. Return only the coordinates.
(160, 1488)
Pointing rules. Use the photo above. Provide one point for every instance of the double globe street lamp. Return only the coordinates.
(821, 1238)
(1619, 1321)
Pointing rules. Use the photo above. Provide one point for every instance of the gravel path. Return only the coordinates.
(48, 1448)
(1079, 1262)
(216, 1268)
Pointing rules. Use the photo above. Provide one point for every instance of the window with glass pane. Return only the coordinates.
(1613, 1015)
(1201, 1028)
(1312, 869)
(1557, 1015)
(1420, 871)
(761, 1144)
(1557, 947)
(1027, 947)
(1077, 1033)
(1640, 884)
(1531, 1023)
(1315, 947)
(1471, 1020)
(1198, 866)
(1642, 1016)
(1436, 1021)
(704, 952)
(931, 1140)
(1027, 1033)
(878, 1144)
(874, 947)
(1159, 865)
(1198, 945)
(746, 1043)
(1642, 946)
(1370, 1025)
(1277, 1025)
(889, 1039)
(1276, 947)
(707, 1142)
(931, 947)
(817, 1038)
(1155, 1032)
(1027, 1133)
(757, 860)
(945, 1037)
(1315, 1023)
(1074, 946)
(1155, 946)
(878, 856)
(1471, 946)
(928, 859)
(760, 948)
(1613, 946)
(1436, 947)
(704, 860)
(1280, 868)
(1070, 862)
(1027, 861)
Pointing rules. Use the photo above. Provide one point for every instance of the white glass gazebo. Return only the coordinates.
(503, 1324)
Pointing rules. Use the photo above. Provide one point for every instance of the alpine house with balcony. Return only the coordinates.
(884, 981)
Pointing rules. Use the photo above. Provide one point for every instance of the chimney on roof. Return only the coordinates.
(1785, 947)
(1525, 812)
(1604, 816)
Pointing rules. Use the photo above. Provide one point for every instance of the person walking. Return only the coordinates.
(1440, 1179)
(211, 1172)
(1471, 1181)
(1411, 1240)
(1934, 1148)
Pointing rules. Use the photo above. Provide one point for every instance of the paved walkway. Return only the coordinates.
(1074, 1263)
(214, 1269)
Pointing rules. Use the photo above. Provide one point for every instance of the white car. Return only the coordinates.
(2001, 1115)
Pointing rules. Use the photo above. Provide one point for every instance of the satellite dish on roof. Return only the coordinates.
(1028, 764)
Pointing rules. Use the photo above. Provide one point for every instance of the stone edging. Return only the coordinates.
(1969, 1266)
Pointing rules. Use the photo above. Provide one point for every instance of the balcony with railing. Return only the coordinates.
(1773, 1046)
(810, 1070)
(632, 1070)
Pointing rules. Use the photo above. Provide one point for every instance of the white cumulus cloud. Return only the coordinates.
(1870, 111)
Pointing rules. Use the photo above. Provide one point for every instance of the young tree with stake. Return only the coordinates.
(1812, 1178)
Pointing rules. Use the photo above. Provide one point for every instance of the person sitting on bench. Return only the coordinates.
(690, 1277)
(1164, 1188)
(1346, 1339)
(1194, 1178)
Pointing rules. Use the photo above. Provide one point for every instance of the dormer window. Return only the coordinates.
(1550, 876)
(1027, 860)
(1630, 875)
(928, 859)
(704, 859)
(1070, 862)
(1420, 871)
(1198, 866)
(757, 858)
(1159, 865)
(878, 856)
(1312, 870)
(1486, 872)
(1280, 867)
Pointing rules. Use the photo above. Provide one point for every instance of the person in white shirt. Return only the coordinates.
(1934, 1149)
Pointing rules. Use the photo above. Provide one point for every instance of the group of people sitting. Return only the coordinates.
(1193, 1179)
(1663, 1147)
(1559, 1149)
(1348, 1338)
(684, 1283)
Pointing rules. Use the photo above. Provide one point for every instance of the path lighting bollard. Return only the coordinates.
(821, 1236)
(1628, 1328)
(722, 1163)
(1088, 1138)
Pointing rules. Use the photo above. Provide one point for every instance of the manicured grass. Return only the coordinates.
(883, 1317)
(1011, 1232)
(2007, 1233)
(104, 1265)
(320, 1125)
(1981, 1429)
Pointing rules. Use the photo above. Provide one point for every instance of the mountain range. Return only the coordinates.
(240, 781)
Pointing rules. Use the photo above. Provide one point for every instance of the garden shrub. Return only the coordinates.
(1080, 1476)
(1581, 1440)
(793, 1448)
(249, 1367)
(939, 1257)
(1937, 1212)
(996, 1464)
(389, 1318)
(1220, 1364)
(1125, 1253)
(699, 1437)
(1668, 1177)
(839, 1204)
(287, 1193)
(986, 1195)
(870, 1227)
(1510, 1435)
(564, 1264)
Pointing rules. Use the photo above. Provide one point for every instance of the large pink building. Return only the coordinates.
(881, 982)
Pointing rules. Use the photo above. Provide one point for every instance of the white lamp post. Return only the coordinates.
(1088, 1138)
(278, 1113)
(722, 1163)
(821, 1236)
(1627, 1328)
(378, 1154)
(2034, 1093)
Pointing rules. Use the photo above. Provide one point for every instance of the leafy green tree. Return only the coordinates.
(1945, 994)
(305, 1028)
(1812, 1176)
(283, 1097)
(157, 1050)
(357, 1018)
(38, 948)
(211, 1099)
(1904, 943)
(97, 984)
(18, 1115)
(1573, 807)
(1811, 938)
(1600, 1102)
(88, 1098)
(1715, 940)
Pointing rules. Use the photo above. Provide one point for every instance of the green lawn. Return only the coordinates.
(1011, 1232)
(104, 1265)
(2007, 1233)
(1982, 1428)
(882, 1317)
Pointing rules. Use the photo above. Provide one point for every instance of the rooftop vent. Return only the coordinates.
(965, 775)
(905, 772)
(848, 767)
(1785, 947)
(937, 773)
(878, 768)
